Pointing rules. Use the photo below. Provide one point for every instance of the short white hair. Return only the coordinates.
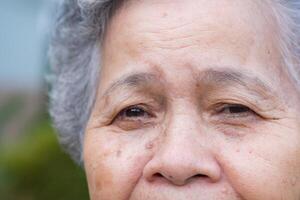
(75, 60)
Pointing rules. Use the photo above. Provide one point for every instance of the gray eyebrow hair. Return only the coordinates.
(220, 77)
(131, 80)
(230, 76)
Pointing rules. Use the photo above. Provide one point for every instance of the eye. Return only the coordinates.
(133, 117)
(233, 115)
(234, 110)
(133, 112)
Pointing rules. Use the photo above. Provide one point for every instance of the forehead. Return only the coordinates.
(200, 34)
(164, 28)
(178, 24)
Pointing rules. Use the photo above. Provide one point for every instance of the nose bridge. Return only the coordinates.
(183, 154)
(182, 136)
(183, 123)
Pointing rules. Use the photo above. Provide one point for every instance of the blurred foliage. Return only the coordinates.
(35, 168)
(9, 110)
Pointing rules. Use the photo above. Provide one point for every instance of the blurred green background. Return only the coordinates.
(32, 164)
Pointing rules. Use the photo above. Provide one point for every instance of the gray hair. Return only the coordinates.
(75, 60)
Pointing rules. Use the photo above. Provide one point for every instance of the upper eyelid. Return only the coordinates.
(118, 115)
(225, 106)
(250, 112)
(235, 105)
(236, 101)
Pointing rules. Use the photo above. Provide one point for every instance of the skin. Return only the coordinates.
(193, 102)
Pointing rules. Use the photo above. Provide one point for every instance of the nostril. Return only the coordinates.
(158, 175)
(197, 176)
(162, 176)
(200, 176)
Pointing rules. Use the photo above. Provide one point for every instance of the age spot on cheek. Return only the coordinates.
(118, 153)
(149, 145)
(294, 181)
(225, 191)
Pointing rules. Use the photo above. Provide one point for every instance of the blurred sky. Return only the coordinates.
(24, 33)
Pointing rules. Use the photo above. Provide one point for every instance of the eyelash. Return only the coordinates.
(133, 117)
(136, 109)
(234, 110)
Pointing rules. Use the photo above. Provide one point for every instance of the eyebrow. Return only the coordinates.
(222, 78)
(134, 80)
(234, 77)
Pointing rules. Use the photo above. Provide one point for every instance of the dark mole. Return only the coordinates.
(149, 145)
(119, 153)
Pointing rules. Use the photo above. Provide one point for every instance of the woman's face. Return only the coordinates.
(193, 103)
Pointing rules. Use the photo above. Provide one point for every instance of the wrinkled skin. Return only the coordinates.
(193, 103)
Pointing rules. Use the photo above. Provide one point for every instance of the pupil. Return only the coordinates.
(238, 109)
(134, 112)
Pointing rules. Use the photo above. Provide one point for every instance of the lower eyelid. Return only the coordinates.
(133, 124)
(242, 114)
(138, 119)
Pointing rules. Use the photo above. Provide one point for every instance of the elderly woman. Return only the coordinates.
(172, 99)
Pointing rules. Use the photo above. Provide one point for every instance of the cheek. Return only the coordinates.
(113, 165)
(265, 167)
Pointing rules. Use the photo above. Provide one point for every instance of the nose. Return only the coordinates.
(183, 157)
